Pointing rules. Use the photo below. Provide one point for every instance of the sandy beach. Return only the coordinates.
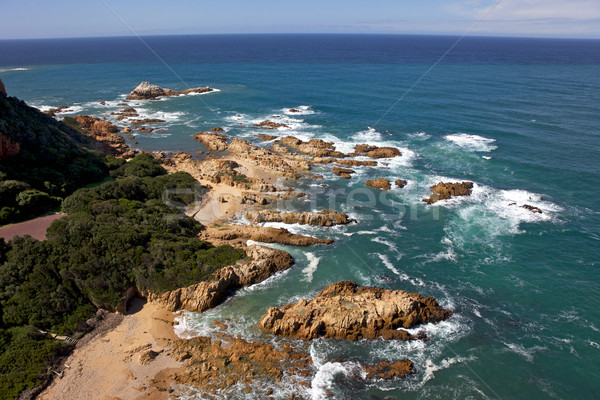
(118, 364)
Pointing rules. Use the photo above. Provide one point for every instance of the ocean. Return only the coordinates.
(518, 117)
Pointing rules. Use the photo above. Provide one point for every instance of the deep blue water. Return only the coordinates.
(519, 117)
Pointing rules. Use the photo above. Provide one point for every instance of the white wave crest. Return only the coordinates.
(313, 263)
(471, 142)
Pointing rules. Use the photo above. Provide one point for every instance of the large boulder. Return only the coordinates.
(148, 91)
(380, 183)
(345, 310)
(375, 151)
(212, 140)
(445, 191)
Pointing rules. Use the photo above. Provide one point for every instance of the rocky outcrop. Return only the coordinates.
(380, 183)
(103, 131)
(445, 191)
(267, 159)
(264, 262)
(533, 209)
(346, 163)
(313, 148)
(2, 88)
(401, 183)
(146, 121)
(53, 111)
(387, 370)
(375, 151)
(238, 235)
(129, 112)
(345, 173)
(8, 148)
(323, 218)
(270, 125)
(218, 365)
(148, 91)
(266, 138)
(212, 140)
(345, 310)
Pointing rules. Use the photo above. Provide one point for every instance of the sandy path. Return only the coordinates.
(35, 228)
(108, 366)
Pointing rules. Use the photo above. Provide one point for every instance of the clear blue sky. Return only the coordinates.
(70, 18)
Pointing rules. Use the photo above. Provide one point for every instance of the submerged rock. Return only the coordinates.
(148, 91)
(345, 310)
(445, 191)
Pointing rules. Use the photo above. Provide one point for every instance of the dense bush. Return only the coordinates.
(118, 235)
(53, 159)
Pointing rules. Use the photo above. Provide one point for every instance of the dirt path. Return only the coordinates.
(35, 228)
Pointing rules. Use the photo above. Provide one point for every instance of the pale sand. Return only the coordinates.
(108, 367)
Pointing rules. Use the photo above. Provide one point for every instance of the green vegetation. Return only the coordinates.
(41, 161)
(125, 233)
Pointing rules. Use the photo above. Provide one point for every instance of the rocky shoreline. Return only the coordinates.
(245, 179)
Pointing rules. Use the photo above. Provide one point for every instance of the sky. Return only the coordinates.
(23, 19)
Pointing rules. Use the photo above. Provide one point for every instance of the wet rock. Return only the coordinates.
(387, 370)
(531, 208)
(380, 183)
(266, 138)
(401, 183)
(375, 151)
(445, 191)
(345, 173)
(345, 310)
(270, 125)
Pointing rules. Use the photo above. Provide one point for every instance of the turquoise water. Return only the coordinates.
(518, 117)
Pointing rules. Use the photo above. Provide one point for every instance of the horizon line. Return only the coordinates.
(516, 36)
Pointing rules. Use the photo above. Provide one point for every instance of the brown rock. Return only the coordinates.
(401, 183)
(240, 234)
(323, 218)
(264, 262)
(345, 310)
(266, 138)
(313, 148)
(343, 172)
(217, 129)
(126, 129)
(376, 152)
(144, 129)
(147, 357)
(387, 370)
(445, 191)
(380, 183)
(146, 121)
(103, 131)
(270, 125)
(346, 163)
(148, 91)
(213, 141)
(2, 88)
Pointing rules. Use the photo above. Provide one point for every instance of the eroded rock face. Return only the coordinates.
(445, 191)
(106, 132)
(214, 141)
(380, 183)
(323, 218)
(345, 310)
(264, 262)
(148, 91)
(375, 151)
(238, 235)
(2, 88)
